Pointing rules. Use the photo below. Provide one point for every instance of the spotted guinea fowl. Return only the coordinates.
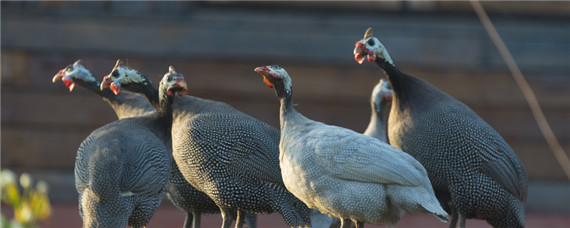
(121, 170)
(178, 190)
(228, 155)
(343, 173)
(474, 172)
(125, 105)
(380, 103)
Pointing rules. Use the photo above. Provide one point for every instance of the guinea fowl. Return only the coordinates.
(343, 173)
(129, 104)
(474, 172)
(178, 190)
(121, 169)
(125, 105)
(380, 103)
(228, 155)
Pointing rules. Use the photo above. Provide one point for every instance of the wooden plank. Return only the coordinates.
(429, 40)
(78, 109)
(40, 148)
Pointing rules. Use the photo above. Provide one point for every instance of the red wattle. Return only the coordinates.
(71, 87)
(267, 82)
(115, 88)
(359, 58)
(371, 57)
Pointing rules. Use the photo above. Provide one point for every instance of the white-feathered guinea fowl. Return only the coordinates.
(380, 103)
(343, 173)
(228, 155)
(470, 165)
(125, 105)
(178, 190)
(121, 170)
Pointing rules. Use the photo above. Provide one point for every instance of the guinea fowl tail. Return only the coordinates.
(435, 209)
(417, 200)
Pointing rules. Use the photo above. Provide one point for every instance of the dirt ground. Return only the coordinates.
(66, 215)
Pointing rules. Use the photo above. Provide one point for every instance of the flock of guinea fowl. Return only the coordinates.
(423, 152)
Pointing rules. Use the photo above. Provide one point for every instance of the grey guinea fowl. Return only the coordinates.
(124, 77)
(345, 174)
(380, 103)
(121, 168)
(474, 172)
(125, 105)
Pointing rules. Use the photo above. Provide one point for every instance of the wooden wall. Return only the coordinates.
(217, 46)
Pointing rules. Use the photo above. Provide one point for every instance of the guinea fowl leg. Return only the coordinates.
(239, 219)
(461, 220)
(344, 223)
(195, 219)
(227, 218)
(359, 224)
(453, 222)
(250, 220)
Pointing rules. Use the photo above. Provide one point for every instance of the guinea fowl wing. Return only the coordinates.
(500, 164)
(143, 173)
(242, 137)
(356, 157)
(150, 170)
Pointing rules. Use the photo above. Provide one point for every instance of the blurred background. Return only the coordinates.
(216, 45)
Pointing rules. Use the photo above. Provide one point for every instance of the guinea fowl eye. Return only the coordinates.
(115, 74)
(69, 68)
(371, 42)
(169, 78)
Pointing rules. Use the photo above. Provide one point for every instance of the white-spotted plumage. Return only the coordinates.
(344, 173)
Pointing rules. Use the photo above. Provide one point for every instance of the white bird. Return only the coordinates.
(343, 173)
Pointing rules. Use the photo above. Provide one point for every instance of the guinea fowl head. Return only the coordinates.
(276, 77)
(73, 73)
(370, 47)
(122, 76)
(383, 92)
(173, 83)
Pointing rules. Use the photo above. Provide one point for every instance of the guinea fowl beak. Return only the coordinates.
(58, 77)
(108, 82)
(264, 71)
(359, 52)
(179, 87)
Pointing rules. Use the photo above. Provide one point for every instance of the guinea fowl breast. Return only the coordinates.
(380, 103)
